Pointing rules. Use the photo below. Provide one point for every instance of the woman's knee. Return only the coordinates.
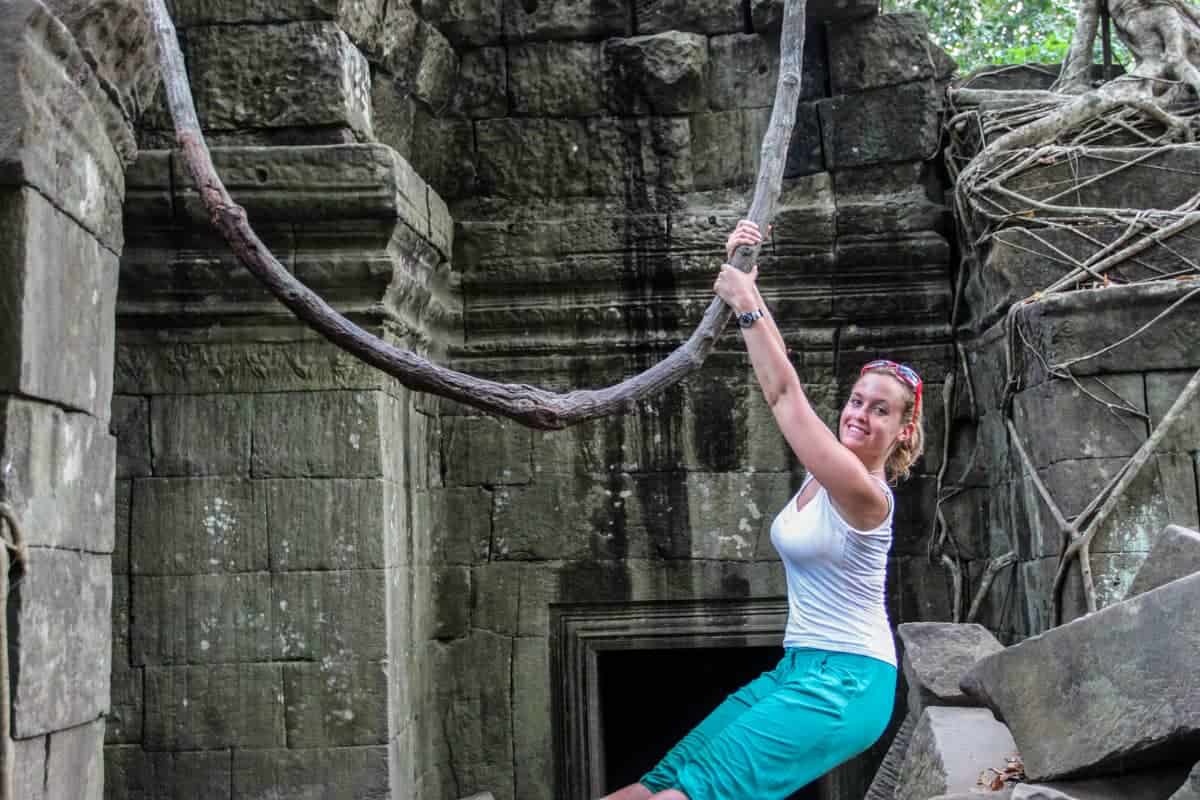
(670, 794)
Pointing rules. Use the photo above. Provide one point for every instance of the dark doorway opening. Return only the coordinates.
(649, 699)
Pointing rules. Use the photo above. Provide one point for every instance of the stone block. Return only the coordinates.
(123, 722)
(335, 703)
(132, 773)
(451, 616)
(883, 278)
(532, 157)
(357, 17)
(1175, 554)
(918, 590)
(851, 140)
(75, 763)
(203, 619)
(478, 705)
(889, 198)
(451, 168)
(57, 475)
(949, 749)
(65, 138)
(187, 526)
(709, 16)
(1083, 427)
(60, 617)
(481, 90)
(726, 146)
(568, 19)
(466, 22)
(1153, 784)
(317, 434)
(1066, 326)
(214, 706)
(196, 435)
(130, 424)
(645, 161)
(880, 51)
(319, 613)
(461, 530)
(58, 293)
(657, 74)
(485, 450)
(936, 656)
(279, 76)
(29, 768)
(567, 520)
(326, 524)
(1076, 696)
(555, 79)
(1162, 389)
(743, 70)
(433, 82)
(343, 773)
(730, 514)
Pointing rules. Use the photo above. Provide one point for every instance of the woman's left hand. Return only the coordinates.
(737, 288)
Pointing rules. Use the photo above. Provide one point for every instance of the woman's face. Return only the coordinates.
(871, 421)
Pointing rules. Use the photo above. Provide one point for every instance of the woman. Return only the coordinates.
(831, 695)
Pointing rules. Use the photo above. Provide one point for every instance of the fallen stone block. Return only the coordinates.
(936, 656)
(1175, 554)
(1191, 787)
(950, 748)
(1110, 691)
(1155, 784)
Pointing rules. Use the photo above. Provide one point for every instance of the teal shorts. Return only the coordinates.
(783, 730)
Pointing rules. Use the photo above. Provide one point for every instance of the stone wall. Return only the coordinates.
(65, 136)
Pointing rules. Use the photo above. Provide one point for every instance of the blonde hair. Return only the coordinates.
(906, 451)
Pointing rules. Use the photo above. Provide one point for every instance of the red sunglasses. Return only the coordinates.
(907, 375)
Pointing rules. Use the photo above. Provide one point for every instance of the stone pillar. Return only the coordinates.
(64, 141)
(270, 484)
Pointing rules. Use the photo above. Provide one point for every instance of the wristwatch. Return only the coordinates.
(747, 318)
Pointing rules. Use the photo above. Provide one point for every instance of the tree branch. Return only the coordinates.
(529, 405)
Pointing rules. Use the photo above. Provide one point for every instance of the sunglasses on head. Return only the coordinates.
(906, 374)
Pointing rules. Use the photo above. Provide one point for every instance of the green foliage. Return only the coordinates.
(979, 32)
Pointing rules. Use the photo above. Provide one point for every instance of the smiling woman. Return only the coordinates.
(831, 695)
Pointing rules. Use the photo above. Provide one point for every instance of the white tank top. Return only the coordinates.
(836, 577)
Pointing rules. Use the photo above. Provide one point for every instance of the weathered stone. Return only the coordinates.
(710, 16)
(481, 89)
(325, 524)
(277, 76)
(884, 199)
(465, 22)
(880, 51)
(185, 526)
(29, 768)
(1084, 428)
(949, 749)
(132, 773)
(1190, 790)
(75, 763)
(357, 17)
(130, 424)
(60, 615)
(566, 19)
(556, 519)
(335, 703)
(214, 706)
(484, 450)
(767, 15)
(203, 619)
(200, 434)
(344, 773)
(462, 525)
(1153, 784)
(806, 153)
(1003, 794)
(123, 722)
(434, 78)
(851, 138)
(882, 277)
(1064, 326)
(1175, 554)
(317, 434)
(532, 157)
(743, 70)
(1076, 696)
(726, 146)
(555, 79)
(451, 602)
(63, 134)
(1162, 389)
(936, 656)
(58, 475)
(657, 74)
(646, 161)
(323, 613)
(59, 296)
(730, 514)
